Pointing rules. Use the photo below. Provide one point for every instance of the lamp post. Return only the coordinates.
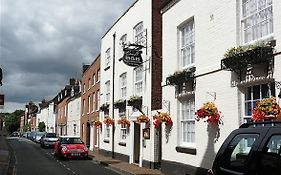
(112, 106)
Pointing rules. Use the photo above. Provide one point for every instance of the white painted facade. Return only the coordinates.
(217, 28)
(133, 146)
(73, 116)
(48, 116)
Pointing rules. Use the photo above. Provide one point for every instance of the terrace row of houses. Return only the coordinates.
(159, 63)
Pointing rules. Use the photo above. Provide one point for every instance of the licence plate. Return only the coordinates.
(75, 154)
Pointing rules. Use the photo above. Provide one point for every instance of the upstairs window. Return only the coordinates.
(98, 75)
(139, 81)
(107, 93)
(107, 57)
(138, 33)
(94, 80)
(123, 40)
(123, 85)
(187, 45)
(98, 99)
(257, 19)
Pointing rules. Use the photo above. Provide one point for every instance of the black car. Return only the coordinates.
(253, 149)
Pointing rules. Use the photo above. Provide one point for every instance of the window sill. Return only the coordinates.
(108, 67)
(186, 150)
(122, 143)
(106, 140)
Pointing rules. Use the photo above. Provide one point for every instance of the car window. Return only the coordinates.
(51, 135)
(238, 151)
(271, 156)
(71, 141)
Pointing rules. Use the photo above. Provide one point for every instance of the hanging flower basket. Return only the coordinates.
(179, 77)
(120, 104)
(239, 57)
(135, 101)
(162, 117)
(266, 109)
(143, 119)
(124, 121)
(97, 124)
(108, 121)
(209, 112)
(104, 107)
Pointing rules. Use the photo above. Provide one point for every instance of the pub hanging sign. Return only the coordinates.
(132, 57)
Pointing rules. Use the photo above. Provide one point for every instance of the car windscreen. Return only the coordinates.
(71, 141)
(51, 135)
(40, 133)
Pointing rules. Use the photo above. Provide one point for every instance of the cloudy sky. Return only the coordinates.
(45, 42)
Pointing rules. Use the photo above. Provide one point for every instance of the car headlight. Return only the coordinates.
(64, 148)
(85, 149)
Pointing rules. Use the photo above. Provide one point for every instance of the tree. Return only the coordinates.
(27, 127)
(41, 126)
(12, 120)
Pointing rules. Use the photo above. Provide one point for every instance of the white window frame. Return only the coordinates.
(89, 104)
(107, 132)
(122, 42)
(138, 33)
(84, 88)
(107, 91)
(94, 79)
(187, 45)
(84, 106)
(123, 85)
(98, 75)
(251, 89)
(94, 102)
(188, 139)
(123, 133)
(107, 57)
(138, 84)
(252, 12)
(98, 100)
(89, 83)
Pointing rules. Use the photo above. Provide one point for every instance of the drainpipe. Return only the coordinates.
(112, 104)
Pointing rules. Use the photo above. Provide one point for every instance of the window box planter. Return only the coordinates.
(120, 104)
(180, 77)
(104, 107)
(239, 57)
(135, 102)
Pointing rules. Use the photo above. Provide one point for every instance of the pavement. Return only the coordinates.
(121, 166)
(4, 152)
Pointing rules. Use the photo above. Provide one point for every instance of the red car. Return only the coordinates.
(70, 147)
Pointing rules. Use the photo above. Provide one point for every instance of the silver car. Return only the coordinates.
(38, 136)
(48, 140)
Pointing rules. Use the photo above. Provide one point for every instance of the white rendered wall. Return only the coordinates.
(73, 116)
(125, 25)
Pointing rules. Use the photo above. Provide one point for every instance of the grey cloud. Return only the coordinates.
(44, 43)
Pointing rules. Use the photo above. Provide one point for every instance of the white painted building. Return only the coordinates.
(47, 115)
(196, 34)
(73, 114)
(139, 25)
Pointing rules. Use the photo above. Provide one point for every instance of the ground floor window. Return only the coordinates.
(187, 121)
(107, 132)
(123, 132)
(255, 94)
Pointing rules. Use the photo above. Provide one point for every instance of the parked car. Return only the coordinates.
(254, 148)
(48, 140)
(32, 135)
(15, 134)
(38, 136)
(70, 147)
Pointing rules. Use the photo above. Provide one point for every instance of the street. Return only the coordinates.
(31, 159)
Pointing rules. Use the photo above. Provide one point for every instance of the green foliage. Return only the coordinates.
(27, 127)
(12, 120)
(41, 126)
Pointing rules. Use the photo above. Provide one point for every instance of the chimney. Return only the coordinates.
(85, 67)
(72, 81)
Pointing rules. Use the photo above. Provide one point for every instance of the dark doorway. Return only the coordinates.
(88, 134)
(159, 148)
(136, 142)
